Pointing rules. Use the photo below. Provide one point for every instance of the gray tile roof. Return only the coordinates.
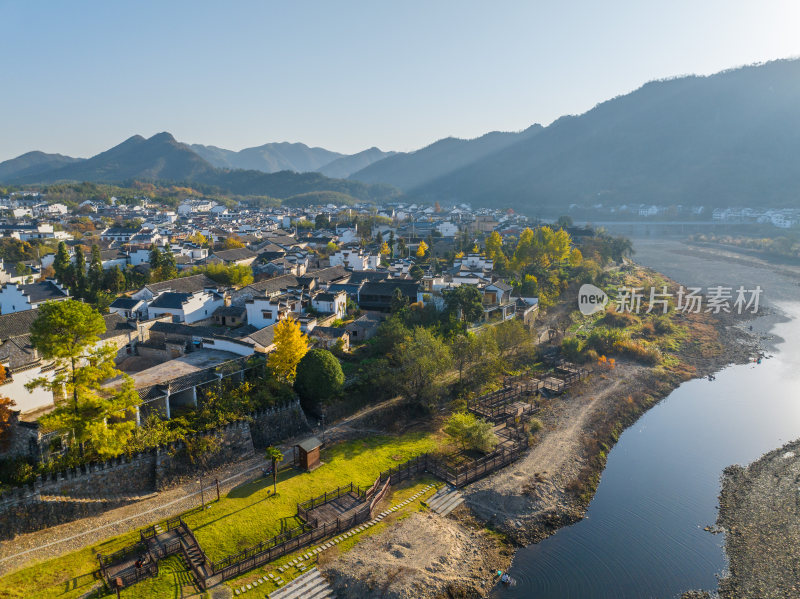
(184, 284)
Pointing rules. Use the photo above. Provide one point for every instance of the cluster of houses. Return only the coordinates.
(175, 335)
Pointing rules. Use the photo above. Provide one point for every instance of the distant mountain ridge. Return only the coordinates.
(729, 139)
(413, 169)
(33, 163)
(163, 158)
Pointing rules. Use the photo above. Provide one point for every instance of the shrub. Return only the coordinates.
(618, 320)
(571, 348)
(639, 352)
(471, 432)
(663, 326)
(319, 378)
(603, 340)
(648, 330)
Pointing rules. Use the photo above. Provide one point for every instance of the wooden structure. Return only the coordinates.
(308, 453)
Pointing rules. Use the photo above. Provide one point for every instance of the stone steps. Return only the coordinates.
(310, 585)
(445, 500)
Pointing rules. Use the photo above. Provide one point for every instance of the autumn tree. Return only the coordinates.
(494, 246)
(199, 239)
(6, 413)
(290, 347)
(68, 333)
(232, 242)
(422, 249)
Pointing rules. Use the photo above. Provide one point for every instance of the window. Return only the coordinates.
(266, 314)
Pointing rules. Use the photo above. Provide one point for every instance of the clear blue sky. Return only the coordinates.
(78, 77)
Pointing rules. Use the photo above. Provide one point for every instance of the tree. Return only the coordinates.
(465, 301)
(155, 258)
(232, 242)
(114, 280)
(422, 358)
(471, 432)
(80, 273)
(199, 239)
(391, 244)
(422, 248)
(95, 274)
(290, 347)
(416, 272)
(168, 269)
(564, 222)
(399, 300)
(276, 457)
(379, 238)
(385, 249)
(319, 378)
(6, 413)
(321, 221)
(401, 247)
(494, 245)
(68, 332)
(62, 265)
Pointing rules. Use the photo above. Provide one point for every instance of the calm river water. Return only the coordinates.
(643, 536)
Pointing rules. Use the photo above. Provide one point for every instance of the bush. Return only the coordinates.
(639, 352)
(471, 432)
(663, 325)
(603, 340)
(571, 348)
(648, 330)
(319, 378)
(618, 320)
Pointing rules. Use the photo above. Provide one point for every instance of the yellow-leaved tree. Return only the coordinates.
(290, 347)
(423, 247)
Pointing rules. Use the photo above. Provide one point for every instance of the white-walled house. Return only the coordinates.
(22, 363)
(355, 259)
(447, 229)
(186, 307)
(18, 298)
(263, 311)
(330, 303)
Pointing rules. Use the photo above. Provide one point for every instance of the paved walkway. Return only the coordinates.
(58, 540)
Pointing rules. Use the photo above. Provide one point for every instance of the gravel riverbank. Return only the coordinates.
(760, 513)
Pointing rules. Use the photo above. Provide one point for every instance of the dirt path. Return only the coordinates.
(532, 492)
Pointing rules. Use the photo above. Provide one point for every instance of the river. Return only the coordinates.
(643, 534)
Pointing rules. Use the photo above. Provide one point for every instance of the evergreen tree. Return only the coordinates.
(95, 274)
(155, 261)
(79, 289)
(62, 265)
(391, 244)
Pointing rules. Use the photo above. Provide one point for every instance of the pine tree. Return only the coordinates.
(62, 265)
(79, 289)
(95, 274)
(155, 261)
(290, 347)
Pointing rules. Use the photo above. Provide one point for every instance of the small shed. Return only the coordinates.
(308, 453)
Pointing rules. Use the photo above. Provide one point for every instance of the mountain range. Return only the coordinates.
(729, 139)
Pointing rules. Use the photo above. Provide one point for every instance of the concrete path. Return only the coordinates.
(445, 500)
(310, 585)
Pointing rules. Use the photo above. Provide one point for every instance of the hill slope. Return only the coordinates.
(730, 139)
(269, 158)
(160, 157)
(32, 164)
(347, 165)
(410, 170)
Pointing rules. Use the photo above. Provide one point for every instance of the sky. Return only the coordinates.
(79, 77)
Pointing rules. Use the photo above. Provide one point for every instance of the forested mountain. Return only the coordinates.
(162, 158)
(412, 169)
(269, 158)
(32, 164)
(346, 165)
(730, 139)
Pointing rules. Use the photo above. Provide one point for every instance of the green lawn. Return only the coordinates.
(248, 514)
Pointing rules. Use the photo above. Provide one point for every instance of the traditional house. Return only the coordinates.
(17, 298)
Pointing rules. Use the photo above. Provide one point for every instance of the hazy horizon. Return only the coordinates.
(350, 76)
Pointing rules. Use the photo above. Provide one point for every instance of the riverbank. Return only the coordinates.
(552, 485)
(760, 514)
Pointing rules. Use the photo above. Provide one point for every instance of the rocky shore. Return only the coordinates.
(760, 513)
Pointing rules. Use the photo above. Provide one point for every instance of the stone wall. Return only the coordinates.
(272, 426)
(90, 489)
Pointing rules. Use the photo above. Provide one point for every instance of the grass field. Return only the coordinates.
(248, 514)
